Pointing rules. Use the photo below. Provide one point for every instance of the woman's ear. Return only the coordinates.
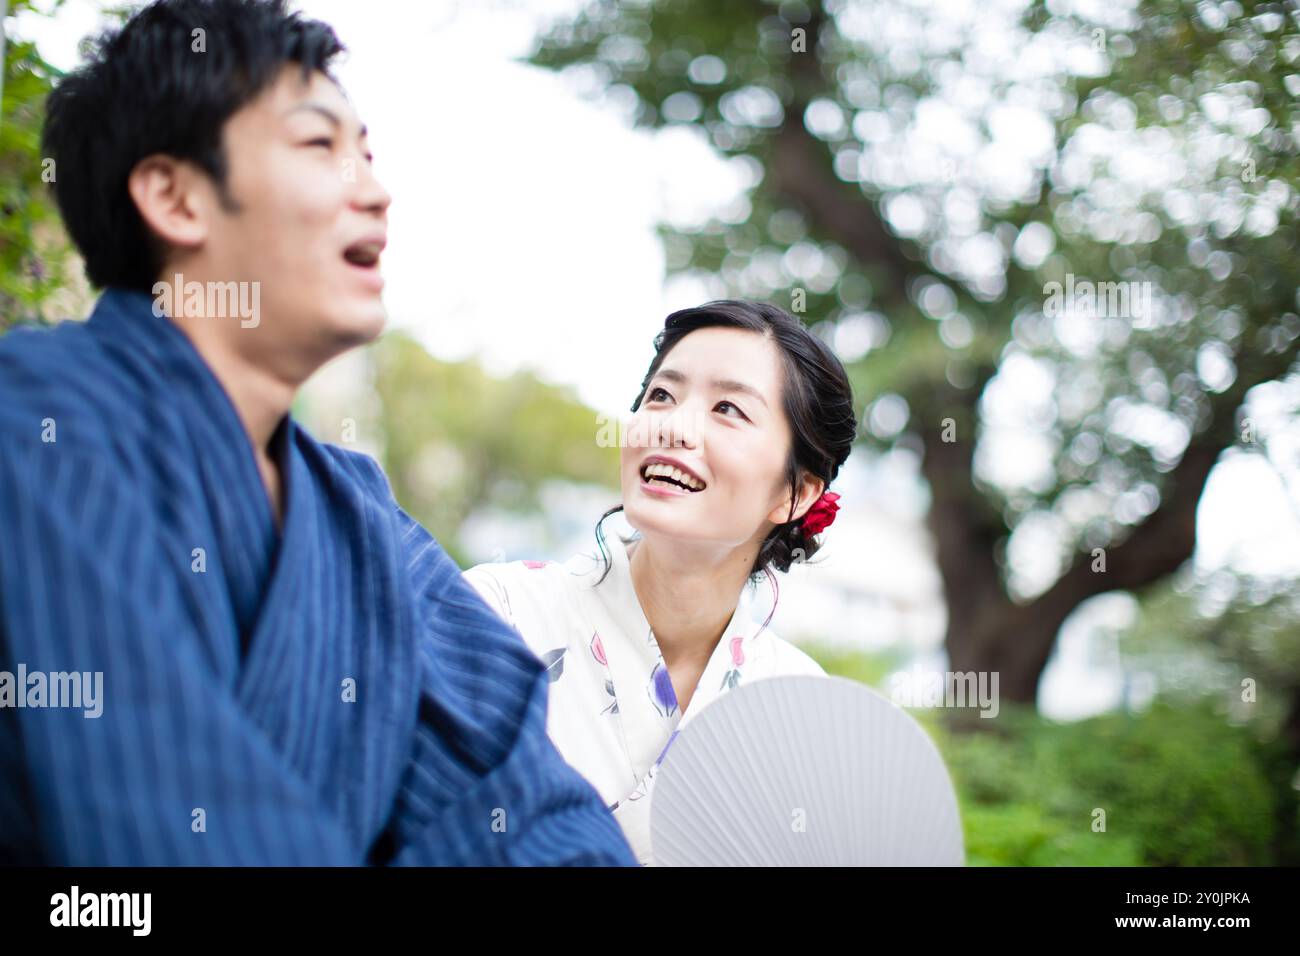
(809, 489)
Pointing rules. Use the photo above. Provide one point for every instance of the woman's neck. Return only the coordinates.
(688, 597)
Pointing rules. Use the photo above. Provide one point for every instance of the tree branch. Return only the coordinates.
(802, 172)
(1167, 538)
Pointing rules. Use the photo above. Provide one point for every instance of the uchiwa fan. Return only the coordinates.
(804, 771)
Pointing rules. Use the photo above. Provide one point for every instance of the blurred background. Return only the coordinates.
(1055, 244)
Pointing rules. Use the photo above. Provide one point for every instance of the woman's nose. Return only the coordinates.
(680, 427)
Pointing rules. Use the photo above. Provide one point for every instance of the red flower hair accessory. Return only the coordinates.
(821, 514)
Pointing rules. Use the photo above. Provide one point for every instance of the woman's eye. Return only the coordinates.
(321, 141)
(729, 405)
(658, 391)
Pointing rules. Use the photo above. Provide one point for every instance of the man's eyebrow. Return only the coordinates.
(324, 111)
(723, 384)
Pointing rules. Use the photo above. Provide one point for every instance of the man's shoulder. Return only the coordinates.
(59, 388)
(49, 365)
(50, 351)
(358, 478)
(349, 464)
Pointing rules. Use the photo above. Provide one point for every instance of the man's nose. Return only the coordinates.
(371, 194)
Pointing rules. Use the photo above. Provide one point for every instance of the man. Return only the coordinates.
(224, 642)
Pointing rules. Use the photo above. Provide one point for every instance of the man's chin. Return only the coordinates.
(360, 326)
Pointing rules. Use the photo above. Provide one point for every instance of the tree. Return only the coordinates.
(1168, 164)
(455, 438)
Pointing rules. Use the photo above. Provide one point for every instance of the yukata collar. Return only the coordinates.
(618, 595)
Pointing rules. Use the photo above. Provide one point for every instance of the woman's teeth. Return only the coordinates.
(670, 475)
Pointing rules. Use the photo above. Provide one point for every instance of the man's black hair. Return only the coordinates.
(159, 85)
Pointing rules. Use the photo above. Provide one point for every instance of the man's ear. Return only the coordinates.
(810, 488)
(168, 194)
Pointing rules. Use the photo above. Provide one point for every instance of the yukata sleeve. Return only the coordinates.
(485, 785)
(159, 765)
(493, 592)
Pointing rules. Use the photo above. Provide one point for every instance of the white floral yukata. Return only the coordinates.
(612, 710)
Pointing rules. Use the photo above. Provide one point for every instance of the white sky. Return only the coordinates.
(522, 232)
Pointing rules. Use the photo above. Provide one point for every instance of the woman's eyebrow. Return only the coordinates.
(722, 384)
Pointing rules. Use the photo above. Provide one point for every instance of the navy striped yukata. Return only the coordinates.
(332, 693)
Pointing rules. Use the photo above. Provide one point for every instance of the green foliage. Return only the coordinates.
(1020, 834)
(1234, 640)
(456, 439)
(35, 259)
(867, 668)
(1179, 785)
(1184, 784)
(1210, 637)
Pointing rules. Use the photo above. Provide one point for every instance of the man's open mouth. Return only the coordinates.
(363, 254)
(657, 473)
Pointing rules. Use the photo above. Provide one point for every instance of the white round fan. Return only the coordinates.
(804, 771)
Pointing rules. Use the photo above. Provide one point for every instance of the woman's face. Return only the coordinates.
(714, 410)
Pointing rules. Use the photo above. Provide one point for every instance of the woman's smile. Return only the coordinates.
(669, 477)
(662, 487)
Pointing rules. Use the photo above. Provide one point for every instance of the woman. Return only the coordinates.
(743, 420)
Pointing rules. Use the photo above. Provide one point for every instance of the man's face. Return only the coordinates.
(310, 223)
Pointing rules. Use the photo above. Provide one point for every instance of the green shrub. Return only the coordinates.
(1019, 834)
(1186, 786)
(1180, 786)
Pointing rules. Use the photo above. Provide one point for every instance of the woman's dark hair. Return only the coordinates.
(817, 399)
(165, 83)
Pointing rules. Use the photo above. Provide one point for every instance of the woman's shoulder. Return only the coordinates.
(524, 592)
(530, 574)
(778, 657)
(524, 570)
(495, 578)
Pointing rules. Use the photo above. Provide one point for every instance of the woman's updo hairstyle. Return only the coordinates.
(816, 395)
